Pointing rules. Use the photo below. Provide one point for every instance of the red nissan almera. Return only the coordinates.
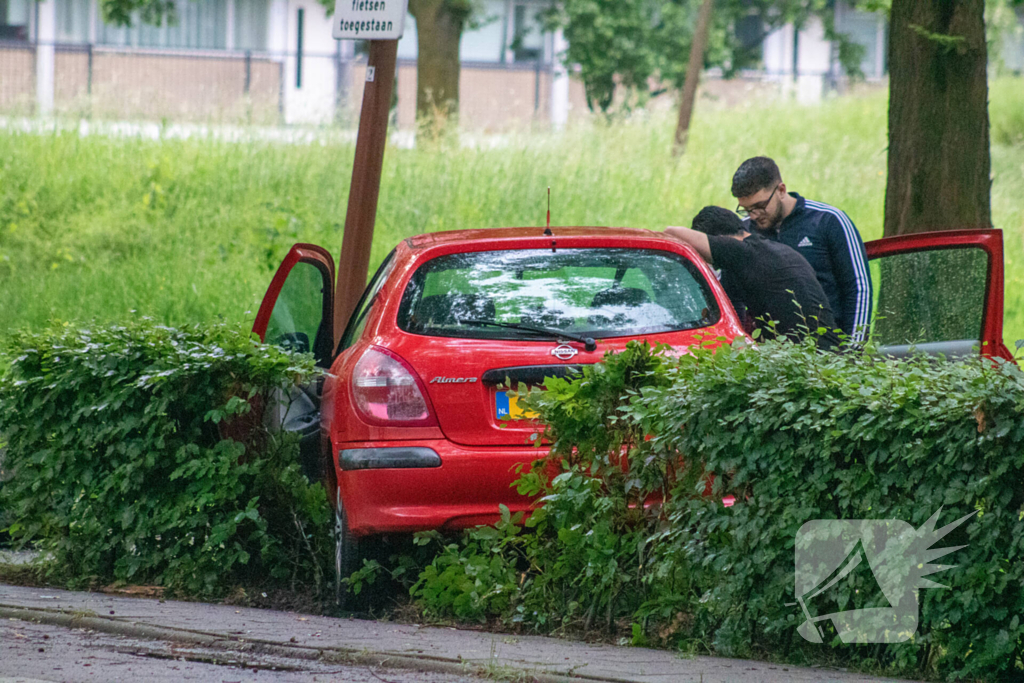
(413, 433)
(419, 434)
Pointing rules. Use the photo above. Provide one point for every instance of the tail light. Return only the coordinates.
(386, 391)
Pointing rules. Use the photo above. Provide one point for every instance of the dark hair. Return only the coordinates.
(754, 175)
(714, 220)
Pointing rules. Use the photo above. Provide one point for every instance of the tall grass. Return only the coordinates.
(191, 230)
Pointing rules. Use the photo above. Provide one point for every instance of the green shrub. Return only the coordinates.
(117, 466)
(795, 435)
(583, 562)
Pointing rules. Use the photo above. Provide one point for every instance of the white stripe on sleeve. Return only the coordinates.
(862, 310)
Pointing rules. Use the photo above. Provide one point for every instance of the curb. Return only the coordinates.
(339, 655)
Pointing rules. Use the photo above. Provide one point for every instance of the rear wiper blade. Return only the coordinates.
(588, 342)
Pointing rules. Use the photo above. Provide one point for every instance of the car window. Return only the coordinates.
(930, 296)
(357, 322)
(298, 313)
(601, 292)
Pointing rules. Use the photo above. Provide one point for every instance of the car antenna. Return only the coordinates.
(547, 228)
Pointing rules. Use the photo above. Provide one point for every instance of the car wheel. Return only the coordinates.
(346, 553)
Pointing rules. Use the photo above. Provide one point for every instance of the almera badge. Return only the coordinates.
(369, 19)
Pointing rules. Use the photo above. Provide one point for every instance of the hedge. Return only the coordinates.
(794, 435)
(118, 470)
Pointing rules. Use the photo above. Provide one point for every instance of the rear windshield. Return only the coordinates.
(598, 292)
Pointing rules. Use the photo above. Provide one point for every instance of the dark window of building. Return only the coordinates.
(14, 19)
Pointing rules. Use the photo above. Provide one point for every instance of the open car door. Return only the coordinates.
(298, 309)
(939, 293)
(297, 313)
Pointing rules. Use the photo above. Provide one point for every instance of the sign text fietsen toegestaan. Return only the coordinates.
(369, 19)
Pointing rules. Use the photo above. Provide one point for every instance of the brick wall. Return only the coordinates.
(491, 98)
(17, 79)
(179, 86)
(145, 85)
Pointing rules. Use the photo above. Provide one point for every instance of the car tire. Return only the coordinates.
(346, 554)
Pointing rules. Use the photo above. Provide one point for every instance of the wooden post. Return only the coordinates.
(354, 264)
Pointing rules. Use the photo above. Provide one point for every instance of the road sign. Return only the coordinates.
(369, 19)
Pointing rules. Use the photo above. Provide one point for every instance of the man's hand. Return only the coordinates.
(697, 240)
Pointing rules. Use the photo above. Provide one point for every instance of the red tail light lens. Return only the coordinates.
(387, 391)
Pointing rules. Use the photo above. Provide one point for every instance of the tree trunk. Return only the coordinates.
(938, 169)
(439, 25)
(697, 49)
(938, 117)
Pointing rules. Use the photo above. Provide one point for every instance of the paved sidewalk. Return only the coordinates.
(423, 648)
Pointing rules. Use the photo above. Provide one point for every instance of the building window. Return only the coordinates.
(14, 19)
(250, 24)
(527, 38)
(198, 24)
(863, 28)
(72, 21)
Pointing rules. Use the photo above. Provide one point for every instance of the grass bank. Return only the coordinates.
(191, 230)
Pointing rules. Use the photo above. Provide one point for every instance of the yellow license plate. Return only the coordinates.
(508, 408)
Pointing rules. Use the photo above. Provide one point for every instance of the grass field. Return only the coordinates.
(188, 231)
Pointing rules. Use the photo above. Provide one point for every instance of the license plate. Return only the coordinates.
(507, 407)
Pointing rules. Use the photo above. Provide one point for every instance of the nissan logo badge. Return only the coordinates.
(564, 352)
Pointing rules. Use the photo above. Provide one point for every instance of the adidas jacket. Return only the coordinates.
(830, 242)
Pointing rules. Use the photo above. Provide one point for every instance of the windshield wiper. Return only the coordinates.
(588, 342)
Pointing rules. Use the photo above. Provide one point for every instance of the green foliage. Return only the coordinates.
(153, 12)
(120, 469)
(583, 560)
(624, 44)
(946, 43)
(610, 40)
(475, 579)
(794, 435)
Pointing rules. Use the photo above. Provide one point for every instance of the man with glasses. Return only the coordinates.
(777, 285)
(822, 234)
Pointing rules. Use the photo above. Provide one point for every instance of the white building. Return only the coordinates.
(275, 61)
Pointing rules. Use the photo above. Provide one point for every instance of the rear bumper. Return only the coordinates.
(464, 491)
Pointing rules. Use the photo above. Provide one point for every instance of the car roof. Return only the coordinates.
(434, 239)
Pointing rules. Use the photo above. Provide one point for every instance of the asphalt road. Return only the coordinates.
(33, 652)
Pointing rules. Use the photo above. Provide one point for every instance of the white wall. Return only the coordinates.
(485, 43)
(46, 34)
(813, 60)
(407, 45)
(313, 101)
(778, 52)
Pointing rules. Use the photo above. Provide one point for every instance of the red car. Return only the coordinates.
(417, 433)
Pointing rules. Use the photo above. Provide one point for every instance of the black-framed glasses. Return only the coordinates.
(757, 208)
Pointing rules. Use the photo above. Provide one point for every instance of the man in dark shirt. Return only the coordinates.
(778, 286)
(823, 235)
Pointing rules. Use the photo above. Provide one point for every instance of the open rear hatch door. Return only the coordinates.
(939, 293)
